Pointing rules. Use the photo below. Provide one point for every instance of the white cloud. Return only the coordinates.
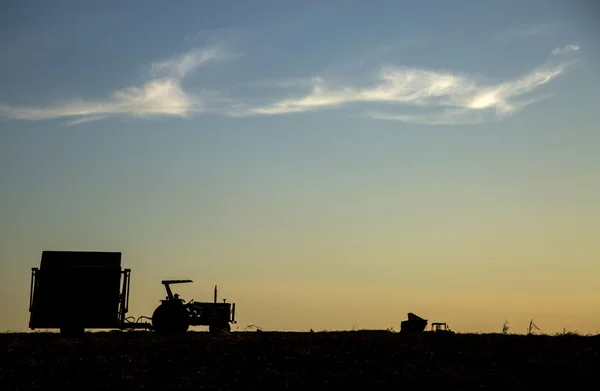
(161, 95)
(456, 116)
(433, 96)
(281, 83)
(180, 66)
(446, 117)
(459, 99)
(83, 120)
(565, 50)
(154, 97)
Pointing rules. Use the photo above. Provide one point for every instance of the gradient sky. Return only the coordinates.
(329, 165)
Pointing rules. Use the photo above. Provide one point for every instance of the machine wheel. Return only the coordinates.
(216, 327)
(71, 325)
(170, 319)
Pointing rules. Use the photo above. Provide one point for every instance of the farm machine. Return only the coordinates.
(442, 328)
(173, 315)
(77, 290)
(416, 324)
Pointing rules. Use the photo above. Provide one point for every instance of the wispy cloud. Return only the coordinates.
(456, 116)
(162, 94)
(83, 120)
(458, 98)
(281, 83)
(425, 96)
(445, 117)
(153, 98)
(565, 50)
(180, 66)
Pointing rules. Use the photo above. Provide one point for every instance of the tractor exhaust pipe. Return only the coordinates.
(215, 293)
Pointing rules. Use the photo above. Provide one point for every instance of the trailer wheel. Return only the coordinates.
(170, 318)
(72, 331)
(71, 326)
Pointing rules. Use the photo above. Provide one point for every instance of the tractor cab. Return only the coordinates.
(441, 327)
(170, 296)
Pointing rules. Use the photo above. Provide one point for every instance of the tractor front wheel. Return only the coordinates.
(170, 319)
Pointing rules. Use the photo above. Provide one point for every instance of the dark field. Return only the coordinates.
(370, 360)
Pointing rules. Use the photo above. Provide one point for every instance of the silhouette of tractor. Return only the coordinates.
(440, 327)
(173, 315)
(77, 290)
(416, 324)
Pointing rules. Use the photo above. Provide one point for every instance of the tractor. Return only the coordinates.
(77, 290)
(440, 327)
(174, 315)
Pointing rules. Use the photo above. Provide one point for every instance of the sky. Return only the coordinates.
(329, 165)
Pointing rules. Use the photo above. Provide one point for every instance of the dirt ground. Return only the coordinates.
(370, 360)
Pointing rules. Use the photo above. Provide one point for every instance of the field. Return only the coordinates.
(370, 360)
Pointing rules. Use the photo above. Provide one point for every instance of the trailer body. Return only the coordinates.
(414, 324)
(76, 290)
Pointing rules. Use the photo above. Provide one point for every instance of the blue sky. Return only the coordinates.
(458, 63)
(351, 144)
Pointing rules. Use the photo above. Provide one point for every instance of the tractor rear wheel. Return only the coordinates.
(170, 319)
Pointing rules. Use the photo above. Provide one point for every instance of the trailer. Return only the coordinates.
(77, 290)
(414, 324)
